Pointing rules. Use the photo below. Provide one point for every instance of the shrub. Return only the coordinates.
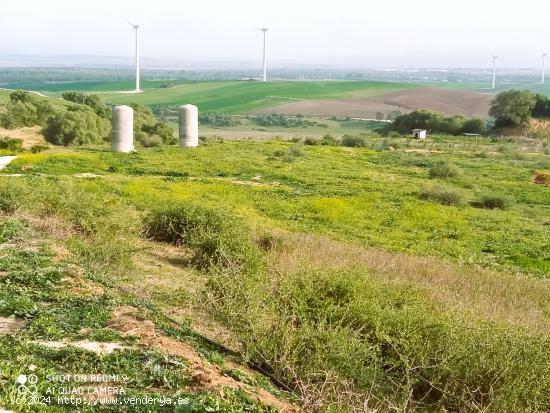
(79, 125)
(218, 119)
(11, 144)
(444, 196)
(347, 331)
(492, 201)
(328, 140)
(354, 141)
(145, 123)
(444, 169)
(311, 141)
(25, 110)
(218, 239)
(288, 155)
(93, 101)
(11, 229)
(38, 148)
(149, 141)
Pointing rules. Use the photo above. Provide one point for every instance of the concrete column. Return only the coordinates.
(189, 126)
(122, 138)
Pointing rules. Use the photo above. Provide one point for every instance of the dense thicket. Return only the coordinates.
(436, 122)
(148, 131)
(78, 125)
(92, 101)
(218, 119)
(25, 109)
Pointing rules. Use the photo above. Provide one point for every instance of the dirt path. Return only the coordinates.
(5, 160)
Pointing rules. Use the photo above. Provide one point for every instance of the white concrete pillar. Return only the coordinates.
(122, 137)
(189, 126)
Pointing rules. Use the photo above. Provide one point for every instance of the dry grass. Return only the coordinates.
(516, 300)
(30, 136)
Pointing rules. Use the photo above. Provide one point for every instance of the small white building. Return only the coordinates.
(419, 133)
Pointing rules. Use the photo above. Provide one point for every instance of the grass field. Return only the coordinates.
(343, 193)
(403, 275)
(244, 96)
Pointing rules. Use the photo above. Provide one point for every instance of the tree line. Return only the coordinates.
(87, 121)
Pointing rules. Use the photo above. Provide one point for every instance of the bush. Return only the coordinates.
(276, 119)
(354, 141)
(347, 331)
(288, 155)
(328, 140)
(444, 196)
(444, 169)
(38, 148)
(218, 119)
(145, 123)
(311, 141)
(149, 141)
(217, 238)
(11, 144)
(93, 101)
(492, 201)
(25, 110)
(79, 125)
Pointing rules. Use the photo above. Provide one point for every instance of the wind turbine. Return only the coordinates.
(136, 52)
(495, 58)
(264, 76)
(543, 55)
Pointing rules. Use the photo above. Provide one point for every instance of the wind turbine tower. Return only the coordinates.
(495, 58)
(136, 52)
(264, 76)
(543, 55)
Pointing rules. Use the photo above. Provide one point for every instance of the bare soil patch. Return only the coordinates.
(10, 325)
(204, 374)
(448, 102)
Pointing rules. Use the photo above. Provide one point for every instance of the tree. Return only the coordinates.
(92, 101)
(542, 106)
(513, 107)
(77, 126)
(474, 125)
(147, 126)
(25, 110)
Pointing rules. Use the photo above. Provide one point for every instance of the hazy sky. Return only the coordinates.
(342, 32)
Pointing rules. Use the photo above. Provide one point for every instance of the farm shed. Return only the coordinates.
(419, 133)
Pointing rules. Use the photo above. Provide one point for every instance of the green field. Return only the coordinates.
(373, 275)
(343, 193)
(244, 96)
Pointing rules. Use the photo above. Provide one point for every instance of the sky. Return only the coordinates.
(343, 33)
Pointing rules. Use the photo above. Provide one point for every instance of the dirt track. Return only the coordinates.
(449, 102)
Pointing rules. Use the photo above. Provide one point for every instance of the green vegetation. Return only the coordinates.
(443, 196)
(240, 96)
(444, 169)
(148, 131)
(78, 125)
(513, 107)
(25, 109)
(220, 119)
(286, 121)
(216, 238)
(92, 101)
(369, 271)
(11, 144)
(492, 201)
(437, 123)
(322, 315)
(354, 141)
